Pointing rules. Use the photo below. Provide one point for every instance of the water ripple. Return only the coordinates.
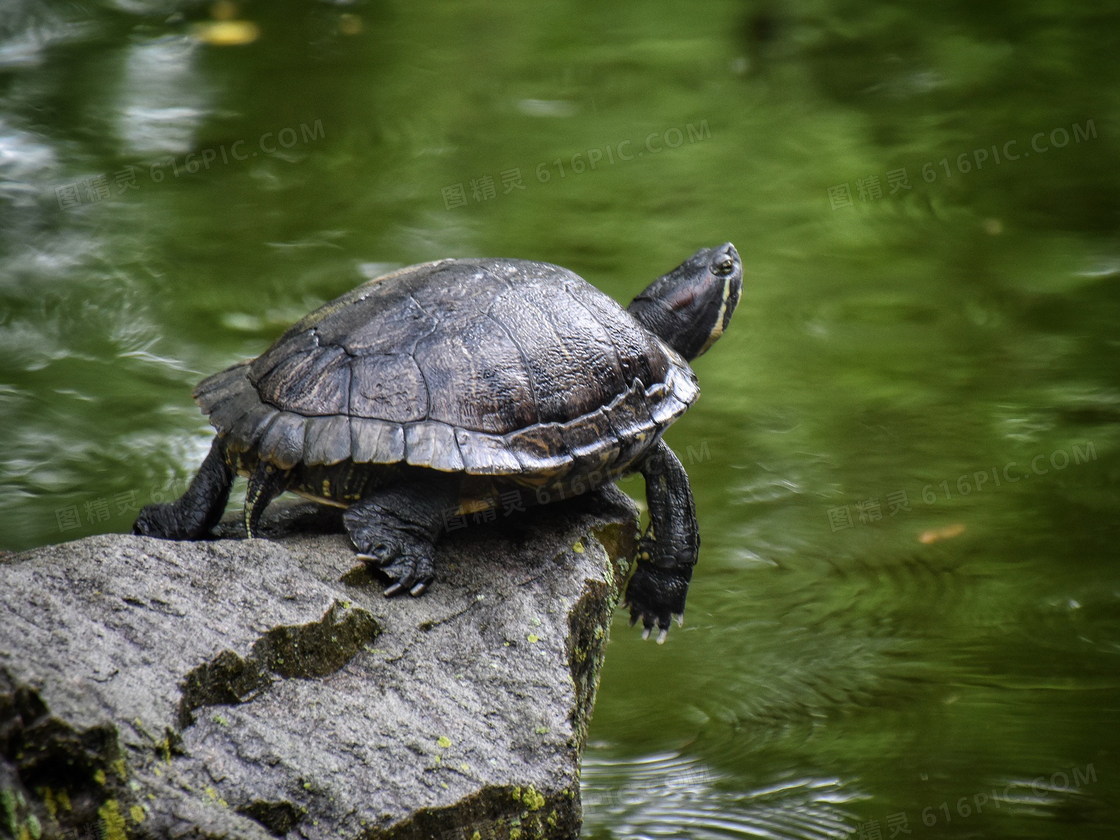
(669, 795)
(163, 99)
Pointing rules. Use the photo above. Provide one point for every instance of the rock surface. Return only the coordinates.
(266, 688)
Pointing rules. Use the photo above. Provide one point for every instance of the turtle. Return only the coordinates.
(464, 385)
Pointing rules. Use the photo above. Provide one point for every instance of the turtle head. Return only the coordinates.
(689, 307)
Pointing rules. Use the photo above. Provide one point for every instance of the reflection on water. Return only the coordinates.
(161, 98)
(906, 453)
(670, 795)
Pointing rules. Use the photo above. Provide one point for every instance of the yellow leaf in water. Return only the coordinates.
(938, 534)
(226, 33)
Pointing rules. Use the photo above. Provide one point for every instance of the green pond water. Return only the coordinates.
(906, 618)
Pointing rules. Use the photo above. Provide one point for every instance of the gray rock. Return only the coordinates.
(266, 688)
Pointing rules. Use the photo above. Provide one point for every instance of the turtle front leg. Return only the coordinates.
(196, 512)
(668, 550)
(397, 529)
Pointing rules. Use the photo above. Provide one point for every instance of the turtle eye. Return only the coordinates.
(724, 267)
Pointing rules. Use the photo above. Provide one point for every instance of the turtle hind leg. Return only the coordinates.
(669, 549)
(197, 511)
(397, 528)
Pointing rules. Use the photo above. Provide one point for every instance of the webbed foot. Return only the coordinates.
(396, 529)
(407, 561)
(656, 596)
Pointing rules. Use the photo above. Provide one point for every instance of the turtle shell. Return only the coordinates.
(488, 367)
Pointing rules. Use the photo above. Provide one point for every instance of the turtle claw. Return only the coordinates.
(413, 575)
(380, 554)
(405, 560)
(648, 623)
(397, 587)
(662, 634)
(411, 572)
(655, 597)
(407, 581)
